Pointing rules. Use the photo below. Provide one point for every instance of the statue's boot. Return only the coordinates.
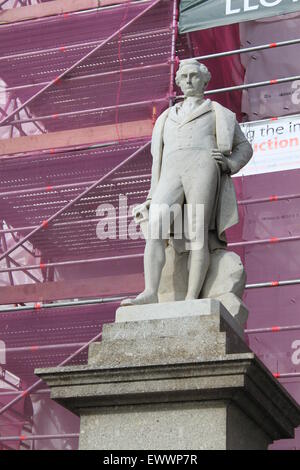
(141, 299)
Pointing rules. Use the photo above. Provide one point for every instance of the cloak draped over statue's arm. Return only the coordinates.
(157, 150)
(241, 151)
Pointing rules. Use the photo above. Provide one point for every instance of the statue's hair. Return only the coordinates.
(202, 69)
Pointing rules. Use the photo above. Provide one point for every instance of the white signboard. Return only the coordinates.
(276, 145)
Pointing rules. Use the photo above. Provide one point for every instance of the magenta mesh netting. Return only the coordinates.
(43, 340)
(113, 76)
(25, 206)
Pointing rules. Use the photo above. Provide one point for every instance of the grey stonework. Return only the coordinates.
(187, 382)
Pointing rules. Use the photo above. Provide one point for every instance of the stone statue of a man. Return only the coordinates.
(196, 145)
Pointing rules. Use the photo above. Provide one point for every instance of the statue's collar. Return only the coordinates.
(203, 108)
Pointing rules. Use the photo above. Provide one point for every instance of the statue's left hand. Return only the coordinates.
(221, 160)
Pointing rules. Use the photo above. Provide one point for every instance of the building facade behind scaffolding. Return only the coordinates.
(81, 86)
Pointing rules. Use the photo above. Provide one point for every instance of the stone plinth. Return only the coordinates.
(181, 377)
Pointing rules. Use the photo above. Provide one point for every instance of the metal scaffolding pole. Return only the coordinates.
(70, 263)
(8, 259)
(173, 51)
(72, 303)
(14, 392)
(38, 437)
(140, 103)
(265, 241)
(250, 85)
(271, 240)
(259, 285)
(272, 329)
(71, 47)
(24, 269)
(92, 75)
(248, 49)
(116, 299)
(48, 347)
(85, 111)
(272, 198)
(43, 189)
(276, 81)
(43, 347)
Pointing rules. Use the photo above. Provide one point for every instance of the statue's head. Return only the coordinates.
(192, 77)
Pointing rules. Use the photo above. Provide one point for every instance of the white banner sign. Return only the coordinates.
(276, 145)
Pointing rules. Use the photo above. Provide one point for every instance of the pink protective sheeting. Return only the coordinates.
(113, 77)
(19, 418)
(32, 330)
(226, 71)
(73, 234)
(282, 99)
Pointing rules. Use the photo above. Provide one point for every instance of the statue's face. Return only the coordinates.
(191, 81)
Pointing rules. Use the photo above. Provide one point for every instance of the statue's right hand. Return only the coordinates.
(139, 211)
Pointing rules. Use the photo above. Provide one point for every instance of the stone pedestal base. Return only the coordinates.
(175, 375)
(207, 425)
